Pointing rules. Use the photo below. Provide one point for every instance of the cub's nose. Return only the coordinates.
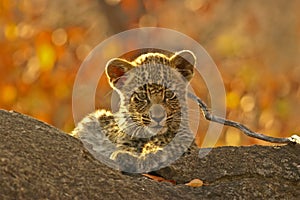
(157, 113)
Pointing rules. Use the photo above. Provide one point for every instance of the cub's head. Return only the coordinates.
(152, 89)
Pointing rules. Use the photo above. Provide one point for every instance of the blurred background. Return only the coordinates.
(255, 44)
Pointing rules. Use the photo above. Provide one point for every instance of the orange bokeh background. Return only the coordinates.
(255, 44)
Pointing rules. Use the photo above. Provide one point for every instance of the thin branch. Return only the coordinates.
(209, 116)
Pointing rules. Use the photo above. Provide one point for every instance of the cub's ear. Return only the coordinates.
(184, 62)
(116, 68)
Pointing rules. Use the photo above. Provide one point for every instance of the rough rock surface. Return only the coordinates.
(38, 161)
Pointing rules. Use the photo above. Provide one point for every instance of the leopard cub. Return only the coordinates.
(152, 119)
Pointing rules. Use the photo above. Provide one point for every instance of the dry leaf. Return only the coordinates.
(195, 183)
(159, 179)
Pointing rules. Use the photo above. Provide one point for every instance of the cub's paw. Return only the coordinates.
(118, 153)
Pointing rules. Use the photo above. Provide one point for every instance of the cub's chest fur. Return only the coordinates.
(152, 111)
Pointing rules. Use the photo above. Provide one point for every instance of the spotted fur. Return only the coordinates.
(152, 116)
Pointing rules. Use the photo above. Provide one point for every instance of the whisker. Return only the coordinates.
(108, 94)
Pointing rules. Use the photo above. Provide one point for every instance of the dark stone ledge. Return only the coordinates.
(38, 161)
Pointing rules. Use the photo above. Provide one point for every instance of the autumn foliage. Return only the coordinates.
(255, 44)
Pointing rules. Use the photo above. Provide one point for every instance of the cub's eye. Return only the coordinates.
(141, 96)
(169, 94)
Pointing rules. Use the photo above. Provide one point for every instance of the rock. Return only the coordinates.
(39, 161)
